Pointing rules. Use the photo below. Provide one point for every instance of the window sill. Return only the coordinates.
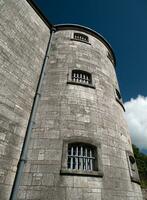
(82, 84)
(73, 39)
(135, 180)
(121, 104)
(75, 172)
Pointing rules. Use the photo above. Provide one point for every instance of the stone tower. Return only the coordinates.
(78, 146)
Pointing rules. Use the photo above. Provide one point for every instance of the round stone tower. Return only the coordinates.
(80, 147)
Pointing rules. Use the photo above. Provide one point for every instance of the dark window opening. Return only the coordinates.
(132, 162)
(118, 94)
(81, 157)
(81, 77)
(133, 167)
(110, 57)
(119, 98)
(81, 37)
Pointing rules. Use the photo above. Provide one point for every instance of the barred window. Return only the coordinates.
(81, 157)
(81, 37)
(81, 77)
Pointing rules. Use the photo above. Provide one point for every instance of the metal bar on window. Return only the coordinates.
(91, 167)
(81, 159)
(76, 158)
(86, 164)
(74, 76)
(77, 77)
(81, 77)
(84, 78)
(71, 162)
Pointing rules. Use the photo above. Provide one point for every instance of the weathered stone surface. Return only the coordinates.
(144, 192)
(23, 42)
(69, 111)
(65, 112)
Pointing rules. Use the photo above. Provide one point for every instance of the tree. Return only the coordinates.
(141, 160)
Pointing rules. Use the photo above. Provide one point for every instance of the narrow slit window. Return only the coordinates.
(133, 167)
(81, 77)
(110, 58)
(81, 37)
(118, 94)
(132, 162)
(81, 157)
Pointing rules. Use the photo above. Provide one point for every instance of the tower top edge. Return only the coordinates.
(59, 27)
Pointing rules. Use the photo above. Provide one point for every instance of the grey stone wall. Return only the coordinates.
(69, 111)
(144, 192)
(23, 42)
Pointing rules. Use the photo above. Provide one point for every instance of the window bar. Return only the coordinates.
(86, 159)
(74, 76)
(76, 158)
(77, 77)
(81, 77)
(87, 79)
(71, 162)
(81, 159)
(91, 159)
(84, 78)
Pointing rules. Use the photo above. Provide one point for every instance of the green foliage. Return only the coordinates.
(141, 160)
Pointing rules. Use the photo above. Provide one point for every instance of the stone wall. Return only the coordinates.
(144, 192)
(70, 112)
(23, 42)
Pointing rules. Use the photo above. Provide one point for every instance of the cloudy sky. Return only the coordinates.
(136, 115)
(124, 25)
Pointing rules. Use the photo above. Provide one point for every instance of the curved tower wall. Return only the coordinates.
(24, 38)
(69, 112)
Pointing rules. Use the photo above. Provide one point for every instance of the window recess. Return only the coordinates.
(80, 38)
(79, 77)
(132, 167)
(81, 159)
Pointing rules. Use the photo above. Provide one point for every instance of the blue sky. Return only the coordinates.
(123, 23)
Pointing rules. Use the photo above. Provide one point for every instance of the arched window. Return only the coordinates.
(81, 157)
(81, 77)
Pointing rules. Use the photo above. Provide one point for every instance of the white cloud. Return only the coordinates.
(136, 116)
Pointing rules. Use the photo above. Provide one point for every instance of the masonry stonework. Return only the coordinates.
(74, 112)
(23, 42)
(144, 193)
(88, 113)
